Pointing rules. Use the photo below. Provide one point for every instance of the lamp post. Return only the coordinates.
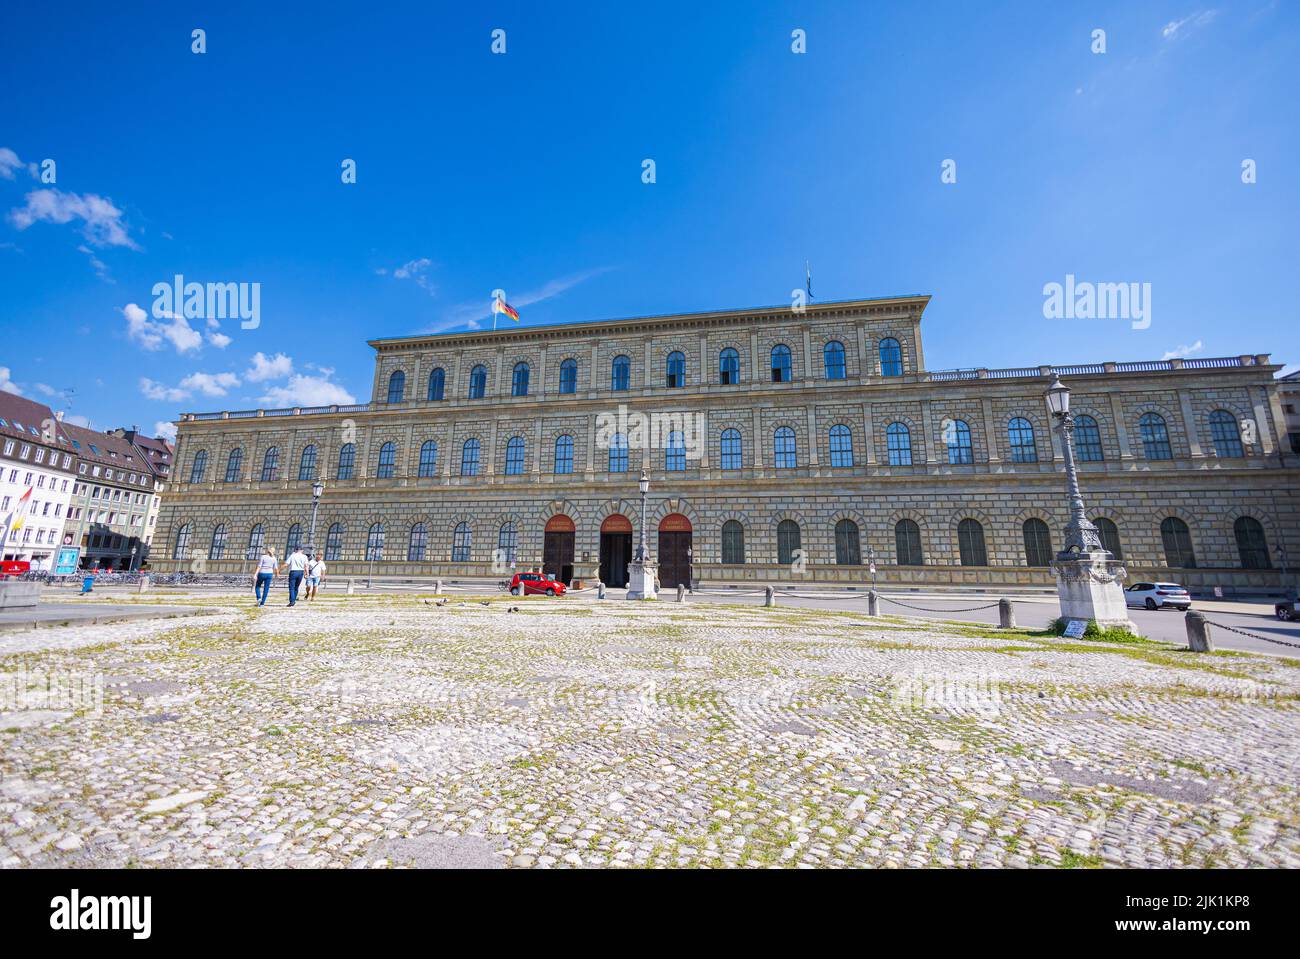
(317, 491)
(641, 571)
(1089, 581)
(871, 562)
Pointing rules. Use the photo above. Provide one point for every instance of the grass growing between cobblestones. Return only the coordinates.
(379, 731)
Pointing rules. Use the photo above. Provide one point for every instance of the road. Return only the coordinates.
(1164, 625)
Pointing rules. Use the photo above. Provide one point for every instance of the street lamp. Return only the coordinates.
(1088, 579)
(317, 491)
(641, 552)
(871, 562)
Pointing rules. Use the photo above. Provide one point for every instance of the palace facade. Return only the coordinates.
(780, 445)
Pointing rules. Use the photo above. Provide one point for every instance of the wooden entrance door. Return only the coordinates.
(615, 550)
(674, 551)
(557, 549)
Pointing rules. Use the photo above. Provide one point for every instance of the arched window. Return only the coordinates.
(469, 458)
(519, 380)
(784, 445)
(1226, 436)
(891, 357)
(732, 449)
(620, 373)
(1020, 434)
(347, 461)
(848, 551)
(899, 439)
(675, 451)
(428, 458)
(841, 445)
(833, 360)
(907, 543)
(182, 548)
(733, 543)
(781, 363)
(970, 543)
(515, 456)
(271, 465)
(1251, 543)
(478, 382)
(375, 543)
(1087, 439)
(787, 541)
(387, 461)
(728, 367)
(460, 543)
(417, 543)
(618, 453)
(307, 463)
(334, 542)
(293, 541)
(218, 547)
(564, 454)
(1109, 533)
(397, 387)
(1177, 540)
(437, 383)
(958, 442)
(1038, 543)
(1155, 437)
(507, 541)
(676, 369)
(199, 466)
(234, 464)
(569, 376)
(256, 540)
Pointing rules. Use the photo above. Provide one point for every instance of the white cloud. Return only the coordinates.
(210, 384)
(469, 314)
(46, 390)
(76, 419)
(1175, 28)
(8, 163)
(1184, 351)
(269, 368)
(416, 270)
(219, 340)
(98, 265)
(150, 334)
(161, 391)
(6, 384)
(164, 430)
(103, 221)
(304, 390)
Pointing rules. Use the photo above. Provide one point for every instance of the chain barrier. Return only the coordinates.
(933, 609)
(1242, 632)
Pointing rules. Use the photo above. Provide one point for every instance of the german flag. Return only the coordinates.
(501, 306)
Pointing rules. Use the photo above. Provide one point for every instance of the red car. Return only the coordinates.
(525, 583)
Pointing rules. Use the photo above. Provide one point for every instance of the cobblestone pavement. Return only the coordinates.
(388, 731)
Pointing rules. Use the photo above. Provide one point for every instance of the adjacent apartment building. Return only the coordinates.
(37, 474)
(779, 445)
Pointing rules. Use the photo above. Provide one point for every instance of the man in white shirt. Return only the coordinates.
(263, 576)
(297, 566)
(315, 573)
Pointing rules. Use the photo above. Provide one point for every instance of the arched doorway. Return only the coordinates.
(557, 548)
(674, 551)
(615, 549)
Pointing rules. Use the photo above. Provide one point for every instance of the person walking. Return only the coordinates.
(315, 573)
(263, 576)
(297, 566)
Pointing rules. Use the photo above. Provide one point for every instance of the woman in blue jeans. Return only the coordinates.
(263, 577)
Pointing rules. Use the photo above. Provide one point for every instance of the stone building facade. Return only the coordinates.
(788, 445)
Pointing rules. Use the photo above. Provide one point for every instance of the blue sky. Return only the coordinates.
(523, 171)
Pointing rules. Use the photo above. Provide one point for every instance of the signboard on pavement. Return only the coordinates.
(1075, 628)
(66, 562)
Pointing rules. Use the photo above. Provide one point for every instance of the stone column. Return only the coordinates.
(1189, 423)
(990, 431)
(1121, 431)
(869, 433)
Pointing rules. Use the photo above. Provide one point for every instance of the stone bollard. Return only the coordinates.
(143, 585)
(1006, 614)
(350, 587)
(600, 590)
(437, 586)
(681, 593)
(769, 596)
(1198, 633)
(873, 603)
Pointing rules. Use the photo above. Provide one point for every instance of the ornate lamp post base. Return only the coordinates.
(641, 579)
(1090, 587)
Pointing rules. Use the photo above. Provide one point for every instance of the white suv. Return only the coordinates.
(1157, 596)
